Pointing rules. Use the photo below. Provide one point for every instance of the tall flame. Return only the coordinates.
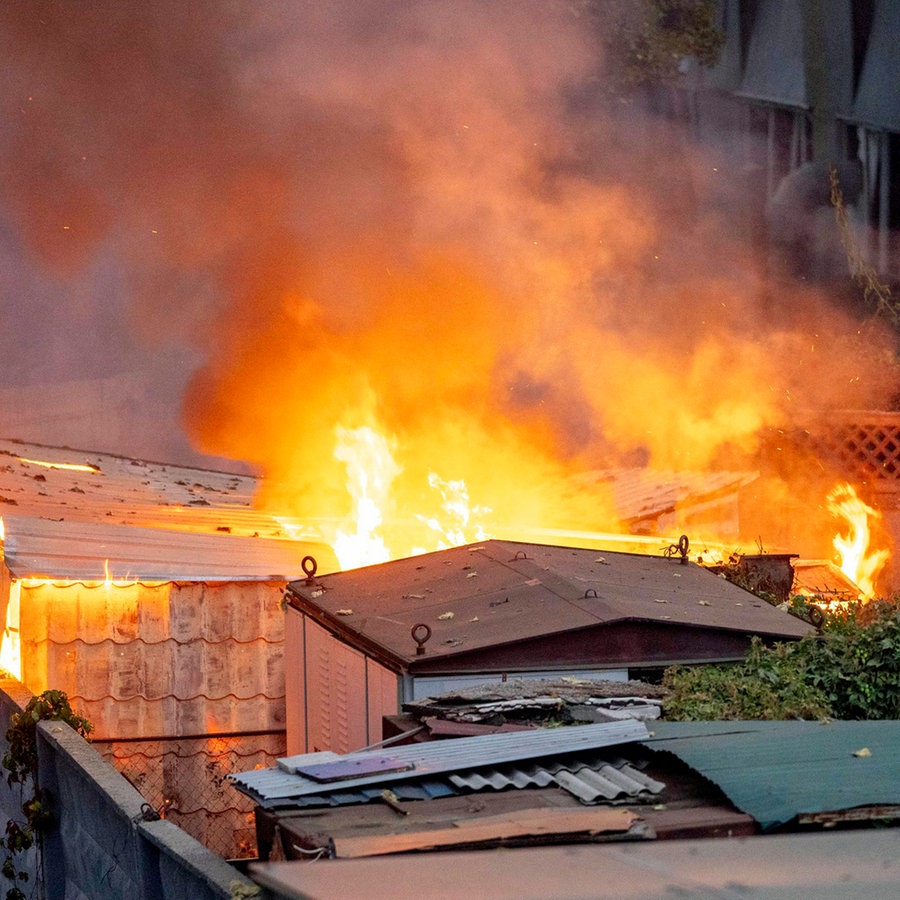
(858, 561)
(371, 533)
(370, 471)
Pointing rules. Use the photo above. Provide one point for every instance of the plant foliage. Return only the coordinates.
(21, 762)
(647, 41)
(849, 671)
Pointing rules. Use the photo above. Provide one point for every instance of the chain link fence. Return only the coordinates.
(186, 781)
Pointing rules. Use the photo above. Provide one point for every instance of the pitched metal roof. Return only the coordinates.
(499, 592)
(85, 551)
(308, 774)
(76, 515)
(777, 770)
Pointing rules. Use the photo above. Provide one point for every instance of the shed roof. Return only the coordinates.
(76, 515)
(775, 771)
(503, 592)
(85, 551)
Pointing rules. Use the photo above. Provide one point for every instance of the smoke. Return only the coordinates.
(403, 215)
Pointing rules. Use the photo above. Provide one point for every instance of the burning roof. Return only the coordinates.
(77, 515)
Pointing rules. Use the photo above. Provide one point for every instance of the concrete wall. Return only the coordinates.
(99, 844)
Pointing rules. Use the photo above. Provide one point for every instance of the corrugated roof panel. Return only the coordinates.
(84, 551)
(439, 757)
(776, 770)
(588, 780)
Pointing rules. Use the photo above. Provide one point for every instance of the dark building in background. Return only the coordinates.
(800, 87)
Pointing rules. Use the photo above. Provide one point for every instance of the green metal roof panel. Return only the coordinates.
(775, 771)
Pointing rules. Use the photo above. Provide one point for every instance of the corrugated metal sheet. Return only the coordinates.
(776, 770)
(82, 551)
(822, 578)
(499, 592)
(589, 778)
(280, 785)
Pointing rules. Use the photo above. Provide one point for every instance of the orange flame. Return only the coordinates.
(68, 467)
(370, 534)
(858, 561)
(370, 471)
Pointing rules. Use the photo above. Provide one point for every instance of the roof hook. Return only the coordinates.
(310, 567)
(590, 592)
(679, 549)
(420, 637)
(520, 554)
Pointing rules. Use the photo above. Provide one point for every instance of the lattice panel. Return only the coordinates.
(869, 448)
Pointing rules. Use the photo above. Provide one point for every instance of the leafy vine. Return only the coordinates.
(21, 761)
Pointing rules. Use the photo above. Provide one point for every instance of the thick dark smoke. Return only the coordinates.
(271, 218)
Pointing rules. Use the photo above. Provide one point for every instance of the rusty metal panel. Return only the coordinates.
(335, 693)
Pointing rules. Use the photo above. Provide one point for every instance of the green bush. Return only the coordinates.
(850, 671)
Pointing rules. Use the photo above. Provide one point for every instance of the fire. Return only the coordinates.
(370, 534)
(858, 561)
(461, 523)
(370, 471)
(68, 467)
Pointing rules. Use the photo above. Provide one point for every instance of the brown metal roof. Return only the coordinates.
(502, 592)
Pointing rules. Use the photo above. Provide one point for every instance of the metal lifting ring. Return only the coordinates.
(420, 638)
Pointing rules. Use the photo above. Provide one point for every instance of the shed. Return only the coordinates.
(360, 643)
(151, 594)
